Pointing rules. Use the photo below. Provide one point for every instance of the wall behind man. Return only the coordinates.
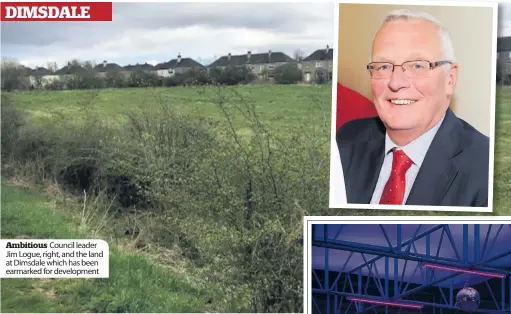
(471, 32)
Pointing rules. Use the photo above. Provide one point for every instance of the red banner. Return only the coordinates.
(56, 11)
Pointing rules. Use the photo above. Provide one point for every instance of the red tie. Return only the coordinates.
(394, 191)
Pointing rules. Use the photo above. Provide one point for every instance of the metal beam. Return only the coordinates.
(496, 257)
(402, 295)
(445, 306)
(399, 244)
(480, 261)
(382, 251)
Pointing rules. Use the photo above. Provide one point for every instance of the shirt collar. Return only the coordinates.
(416, 149)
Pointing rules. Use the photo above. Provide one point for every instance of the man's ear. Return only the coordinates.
(452, 79)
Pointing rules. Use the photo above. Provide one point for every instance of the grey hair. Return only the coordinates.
(408, 15)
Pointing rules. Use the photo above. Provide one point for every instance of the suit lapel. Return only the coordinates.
(367, 161)
(438, 170)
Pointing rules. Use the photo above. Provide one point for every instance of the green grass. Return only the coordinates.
(280, 108)
(134, 285)
(502, 165)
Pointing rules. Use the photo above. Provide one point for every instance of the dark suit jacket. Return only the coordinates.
(454, 171)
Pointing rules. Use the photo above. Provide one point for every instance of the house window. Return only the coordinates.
(509, 55)
(319, 64)
(271, 66)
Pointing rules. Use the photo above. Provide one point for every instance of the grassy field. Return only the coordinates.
(138, 285)
(135, 284)
(283, 109)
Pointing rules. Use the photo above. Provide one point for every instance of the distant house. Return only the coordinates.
(319, 63)
(105, 67)
(143, 67)
(26, 70)
(174, 66)
(504, 55)
(43, 76)
(69, 69)
(261, 64)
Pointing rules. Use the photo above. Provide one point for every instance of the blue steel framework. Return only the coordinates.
(403, 251)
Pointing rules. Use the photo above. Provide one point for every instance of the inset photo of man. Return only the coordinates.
(425, 139)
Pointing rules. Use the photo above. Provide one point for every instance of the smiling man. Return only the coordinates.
(416, 152)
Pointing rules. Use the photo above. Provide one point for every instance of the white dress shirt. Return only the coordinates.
(416, 150)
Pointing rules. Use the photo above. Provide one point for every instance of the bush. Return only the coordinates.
(13, 119)
(13, 76)
(141, 78)
(115, 79)
(232, 75)
(177, 79)
(321, 76)
(85, 79)
(288, 74)
(58, 84)
(197, 76)
(232, 204)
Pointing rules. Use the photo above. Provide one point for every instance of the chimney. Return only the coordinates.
(104, 63)
(229, 56)
(249, 53)
(327, 49)
(269, 55)
(178, 58)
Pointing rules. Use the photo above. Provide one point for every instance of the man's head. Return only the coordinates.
(413, 98)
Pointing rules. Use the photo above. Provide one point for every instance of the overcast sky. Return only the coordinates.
(158, 32)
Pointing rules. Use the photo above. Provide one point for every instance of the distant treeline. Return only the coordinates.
(14, 78)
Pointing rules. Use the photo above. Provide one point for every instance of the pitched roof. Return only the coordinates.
(40, 71)
(25, 70)
(70, 69)
(255, 58)
(184, 63)
(503, 44)
(321, 55)
(108, 67)
(145, 66)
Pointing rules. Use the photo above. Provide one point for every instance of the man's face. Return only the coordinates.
(401, 41)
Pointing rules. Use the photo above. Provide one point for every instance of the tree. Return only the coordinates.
(321, 76)
(232, 75)
(52, 66)
(13, 76)
(115, 79)
(141, 78)
(265, 72)
(298, 55)
(38, 82)
(288, 74)
(197, 76)
(82, 76)
(88, 65)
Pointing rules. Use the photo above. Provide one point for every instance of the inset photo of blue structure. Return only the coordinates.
(410, 268)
